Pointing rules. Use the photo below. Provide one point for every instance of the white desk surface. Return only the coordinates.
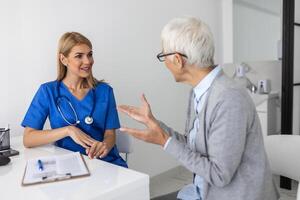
(107, 181)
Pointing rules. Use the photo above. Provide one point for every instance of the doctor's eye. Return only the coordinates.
(78, 56)
(90, 54)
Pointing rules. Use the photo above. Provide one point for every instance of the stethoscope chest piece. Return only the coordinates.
(88, 120)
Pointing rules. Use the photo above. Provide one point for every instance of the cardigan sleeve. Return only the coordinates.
(226, 141)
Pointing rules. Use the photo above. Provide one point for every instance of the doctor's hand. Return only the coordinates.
(98, 149)
(153, 132)
(80, 137)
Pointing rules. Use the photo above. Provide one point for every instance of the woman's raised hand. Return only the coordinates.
(142, 114)
(153, 133)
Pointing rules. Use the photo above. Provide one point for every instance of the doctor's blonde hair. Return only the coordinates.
(65, 45)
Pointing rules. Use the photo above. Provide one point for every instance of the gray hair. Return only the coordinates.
(189, 36)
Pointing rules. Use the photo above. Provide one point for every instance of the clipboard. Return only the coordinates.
(54, 168)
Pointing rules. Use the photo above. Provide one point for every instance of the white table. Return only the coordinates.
(107, 181)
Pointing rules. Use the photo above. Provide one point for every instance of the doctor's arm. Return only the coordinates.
(109, 138)
(34, 121)
(33, 137)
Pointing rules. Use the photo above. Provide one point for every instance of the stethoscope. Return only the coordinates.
(88, 119)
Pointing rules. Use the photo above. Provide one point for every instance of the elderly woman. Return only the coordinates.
(222, 144)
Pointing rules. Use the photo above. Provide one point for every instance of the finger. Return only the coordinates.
(127, 109)
(100, 151)
(123, 108)
(98, 148)
(95, 149)
(87, 151)
(145, 103)
(88, 142)
(92, 149)
(97, 153)
(144, 100)
(89, 138)
(83, 144)
(83, 137)
(135, 114)
(139, 134)
(103, 151)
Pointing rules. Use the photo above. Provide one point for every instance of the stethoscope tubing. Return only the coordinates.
(64, 117)
(88, 119)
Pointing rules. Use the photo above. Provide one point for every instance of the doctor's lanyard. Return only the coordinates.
(88, 119)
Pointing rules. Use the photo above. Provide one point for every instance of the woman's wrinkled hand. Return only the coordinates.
(153, 132)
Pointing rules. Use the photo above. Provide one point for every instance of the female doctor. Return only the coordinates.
(81, 110)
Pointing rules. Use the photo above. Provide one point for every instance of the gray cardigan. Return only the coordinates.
(230, 154)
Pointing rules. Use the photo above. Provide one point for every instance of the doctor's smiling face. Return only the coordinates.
(79, 61)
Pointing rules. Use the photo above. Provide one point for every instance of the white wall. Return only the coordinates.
(227, 30)
(126, 39)
(256, 29)
(297, 11)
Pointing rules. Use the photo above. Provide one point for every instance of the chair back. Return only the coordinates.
(124, 143)
(283, 153)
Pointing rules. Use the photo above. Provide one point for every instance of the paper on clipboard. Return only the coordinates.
(55, 168)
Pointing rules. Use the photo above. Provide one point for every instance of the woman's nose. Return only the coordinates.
(87, 60)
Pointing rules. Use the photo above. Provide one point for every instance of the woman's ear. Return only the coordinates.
(63, 59)
(178, 60)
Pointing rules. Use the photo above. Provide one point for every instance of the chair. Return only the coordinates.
(283, 153)
(124, 143)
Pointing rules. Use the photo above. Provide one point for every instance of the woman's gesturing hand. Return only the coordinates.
(153, 133)
(80, 137)
(141, 114)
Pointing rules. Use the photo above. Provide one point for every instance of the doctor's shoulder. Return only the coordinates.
(103, 86)
(49, 86)
(47, 89)
(104, 90)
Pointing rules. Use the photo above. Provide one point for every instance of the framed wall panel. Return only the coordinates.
(296, 107)
(288, 19)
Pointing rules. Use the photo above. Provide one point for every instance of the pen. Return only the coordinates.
(40, 164)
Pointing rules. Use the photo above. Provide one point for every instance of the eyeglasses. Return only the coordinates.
(161, 56)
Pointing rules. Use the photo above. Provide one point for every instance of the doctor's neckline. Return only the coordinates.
(73, 96)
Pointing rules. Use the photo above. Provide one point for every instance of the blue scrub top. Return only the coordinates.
(44, 104)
